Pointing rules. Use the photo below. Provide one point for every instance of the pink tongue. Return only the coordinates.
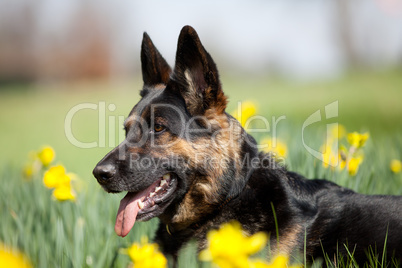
(127, 214)
(128, 210)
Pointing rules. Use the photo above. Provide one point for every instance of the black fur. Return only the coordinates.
(324, 214)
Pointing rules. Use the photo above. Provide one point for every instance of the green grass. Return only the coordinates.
(81, 234)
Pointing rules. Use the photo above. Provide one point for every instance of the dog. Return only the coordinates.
(192, 165)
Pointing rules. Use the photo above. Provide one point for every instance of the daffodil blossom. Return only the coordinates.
(146, 255)
(396, 166)
(55, 177)
(276, 146)
(248, 109)
(63, 193)
(353, 165)
(357, 140)
(12, 259)
(46, 155)
(229, 247)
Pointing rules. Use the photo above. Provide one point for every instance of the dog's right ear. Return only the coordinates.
(155, 69)
(195, 76)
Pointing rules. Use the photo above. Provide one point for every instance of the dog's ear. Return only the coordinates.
(196, 76)
(155, 69)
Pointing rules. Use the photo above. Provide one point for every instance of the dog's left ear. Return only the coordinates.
(195, 75)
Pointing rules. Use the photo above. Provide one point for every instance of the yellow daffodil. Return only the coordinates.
(146, 255)
(396, 166)
(31, 168)
(353, 165)
(33, 165)
(46, 155)
(280, 261)
(259, 264)
(56, 176)
(229, 247)
(334, 158)
(330, 158)
(343, 155)
(349, 158)
(63, 192)
(28, 170)
(248, 109)
(277, 147)
(357, 140)
(12, 259)
(338, 131)
(342, 164)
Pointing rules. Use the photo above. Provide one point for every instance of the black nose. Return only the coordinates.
(104, 172)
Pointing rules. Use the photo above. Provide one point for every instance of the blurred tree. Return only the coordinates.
(17, 28)
(81, 50)
(345, 33)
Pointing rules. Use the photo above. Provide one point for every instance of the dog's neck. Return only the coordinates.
(263, 181)
(172, 228)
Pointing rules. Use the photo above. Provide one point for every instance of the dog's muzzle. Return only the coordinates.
(104, 172)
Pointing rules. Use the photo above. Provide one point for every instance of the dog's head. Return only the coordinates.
(183, 155)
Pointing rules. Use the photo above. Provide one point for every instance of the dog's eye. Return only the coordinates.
(158, 128)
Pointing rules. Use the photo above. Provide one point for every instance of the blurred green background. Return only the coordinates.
(35, 115)
(80, 234)
(291, 59)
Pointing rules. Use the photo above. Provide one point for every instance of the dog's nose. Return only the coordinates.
(104, 172)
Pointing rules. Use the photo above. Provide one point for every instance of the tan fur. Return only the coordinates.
(288, 241)
(195, 99)
(129, 121)
(192, 97)
(222, 148)
(160, 86)
(189, 211)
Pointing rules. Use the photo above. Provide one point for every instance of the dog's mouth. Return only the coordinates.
(146, 204)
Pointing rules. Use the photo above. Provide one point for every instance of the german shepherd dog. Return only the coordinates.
(192, 165)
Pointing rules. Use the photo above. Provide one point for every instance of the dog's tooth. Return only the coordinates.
(152, 194)
(158, 189)
(163, 182)
(140, 204)
(166, 176)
